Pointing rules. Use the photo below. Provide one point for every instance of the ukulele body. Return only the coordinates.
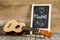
(13, 27)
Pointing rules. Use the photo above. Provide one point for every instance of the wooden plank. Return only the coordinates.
(29, 37)
(55, 25)
(47, 38)
(18, 2)
(52, 38)
(56, 36)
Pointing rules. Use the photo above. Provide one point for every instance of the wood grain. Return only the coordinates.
(55, 36)
(21, 11)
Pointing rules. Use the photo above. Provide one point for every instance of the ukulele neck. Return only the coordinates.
(30, 29)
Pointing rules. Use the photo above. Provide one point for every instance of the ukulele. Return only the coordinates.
(13, 26)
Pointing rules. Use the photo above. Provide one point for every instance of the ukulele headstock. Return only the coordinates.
(45, 33)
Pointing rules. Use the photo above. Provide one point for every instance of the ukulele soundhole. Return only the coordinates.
(17, 26)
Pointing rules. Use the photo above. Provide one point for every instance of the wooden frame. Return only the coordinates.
(35, 6)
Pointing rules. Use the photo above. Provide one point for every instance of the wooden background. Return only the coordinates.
(21, 11)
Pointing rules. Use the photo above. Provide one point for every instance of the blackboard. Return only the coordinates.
(41, 15)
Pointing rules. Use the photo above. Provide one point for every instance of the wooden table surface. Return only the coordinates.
(55, 36)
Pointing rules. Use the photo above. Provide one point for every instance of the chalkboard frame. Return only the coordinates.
(49, 21)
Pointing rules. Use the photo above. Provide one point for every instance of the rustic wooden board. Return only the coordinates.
(55, 36)
(21, 11)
